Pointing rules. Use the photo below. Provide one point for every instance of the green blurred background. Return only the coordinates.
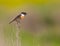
(41, 26)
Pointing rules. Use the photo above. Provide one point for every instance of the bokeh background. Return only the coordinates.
(41, 26)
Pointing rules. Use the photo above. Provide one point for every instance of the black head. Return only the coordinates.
(23, 13)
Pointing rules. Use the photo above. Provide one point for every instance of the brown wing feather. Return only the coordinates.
(14, 19)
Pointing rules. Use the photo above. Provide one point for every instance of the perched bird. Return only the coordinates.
(19, 17)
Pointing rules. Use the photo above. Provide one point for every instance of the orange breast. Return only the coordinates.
(22, 17)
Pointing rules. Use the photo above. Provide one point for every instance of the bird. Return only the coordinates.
(19, 17)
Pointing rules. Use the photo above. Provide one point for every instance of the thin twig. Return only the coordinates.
(17, 35)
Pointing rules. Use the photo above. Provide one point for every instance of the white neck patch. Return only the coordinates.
(22, 15)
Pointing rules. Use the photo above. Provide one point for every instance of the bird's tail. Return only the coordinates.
(11, 21)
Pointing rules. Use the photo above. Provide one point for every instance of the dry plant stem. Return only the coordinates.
(11, 38)
(17, 35)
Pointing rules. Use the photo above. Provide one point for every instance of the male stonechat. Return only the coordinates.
(19, 17)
